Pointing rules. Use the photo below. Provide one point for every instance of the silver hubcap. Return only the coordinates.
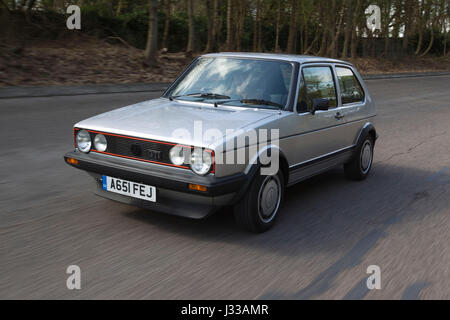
(366, 156)
(269, 198)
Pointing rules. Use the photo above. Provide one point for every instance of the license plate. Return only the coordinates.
(128, 188)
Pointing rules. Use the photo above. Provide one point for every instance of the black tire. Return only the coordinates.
(248, 213)
(359, 167)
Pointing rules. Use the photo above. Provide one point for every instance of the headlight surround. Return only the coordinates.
(177, 155)
(100, 142)
(84, 142)
(201, 161)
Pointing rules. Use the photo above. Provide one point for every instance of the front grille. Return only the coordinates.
(136, 148)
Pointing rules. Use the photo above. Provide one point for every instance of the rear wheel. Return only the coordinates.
(360, 166)
(258, 209)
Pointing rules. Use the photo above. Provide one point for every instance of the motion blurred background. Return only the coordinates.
(133, 41)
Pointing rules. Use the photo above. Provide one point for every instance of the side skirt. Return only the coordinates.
(310, 168)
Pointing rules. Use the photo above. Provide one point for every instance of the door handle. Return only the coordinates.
(339, 116)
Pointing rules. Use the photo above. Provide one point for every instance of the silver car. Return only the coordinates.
(235, 129)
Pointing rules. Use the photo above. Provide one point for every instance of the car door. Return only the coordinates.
(321, 134)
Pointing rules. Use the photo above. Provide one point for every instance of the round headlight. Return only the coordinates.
(100, 143)
(201, 162)
(84, 141)
(177, 155)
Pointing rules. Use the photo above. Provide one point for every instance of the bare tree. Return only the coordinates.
(168, 11)
(348, 30)
(229, 26)
(120, 6)
(292, 28)
(191, 38)
(241, 7)
(354, 43)
(277, 31)
(420, 17)
(408, 23)
(332, 49)
(152, 35)
(216, 24)
(431, 19)
(210, 18)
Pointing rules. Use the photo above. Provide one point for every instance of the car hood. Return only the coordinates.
(183, 122)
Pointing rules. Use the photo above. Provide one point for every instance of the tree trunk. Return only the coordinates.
(191, 38)
(301, 37)
(277, 36)
(408, 24)
(443, 10)
(216, 23)
(445, 43)
(332, 51)
(292, 28)
(241, 22)
(229, 26)
(421, 16)
(430, 45)
(119, 7)
(354, 43)
(168, 8)
(152, 35)
(313, 43)
(210, 19)
(305, 22)
(347, 32)
(259, 30)
(256, 26)
(323, 43)
(386, 26)
(323, 19)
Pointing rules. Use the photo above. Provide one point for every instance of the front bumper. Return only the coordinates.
(173, 193)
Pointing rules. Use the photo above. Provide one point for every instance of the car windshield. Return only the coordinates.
(235, 81)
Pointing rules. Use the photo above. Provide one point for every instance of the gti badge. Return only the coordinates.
(153, 154)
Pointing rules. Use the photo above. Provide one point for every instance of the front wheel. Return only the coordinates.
(360, 166)
(258, 209)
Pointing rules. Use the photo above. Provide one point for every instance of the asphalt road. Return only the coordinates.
(329, 232)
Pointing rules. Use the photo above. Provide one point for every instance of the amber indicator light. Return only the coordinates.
(72, 161)
(197, 187)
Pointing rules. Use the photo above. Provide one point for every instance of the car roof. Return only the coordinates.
(276, 56)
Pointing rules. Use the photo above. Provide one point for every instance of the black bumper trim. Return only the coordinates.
(216, 187)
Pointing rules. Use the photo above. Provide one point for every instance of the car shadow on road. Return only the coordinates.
(327, 212)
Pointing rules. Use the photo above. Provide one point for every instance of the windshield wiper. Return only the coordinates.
(262, 102)
(207, 95)
(252, 102)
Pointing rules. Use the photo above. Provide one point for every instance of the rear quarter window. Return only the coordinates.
(351, 89)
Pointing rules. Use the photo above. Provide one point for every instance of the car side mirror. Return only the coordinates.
(320, 104)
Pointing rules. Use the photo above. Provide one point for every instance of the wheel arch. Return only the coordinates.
(255, 163)
(254, 166)
(367, 129)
